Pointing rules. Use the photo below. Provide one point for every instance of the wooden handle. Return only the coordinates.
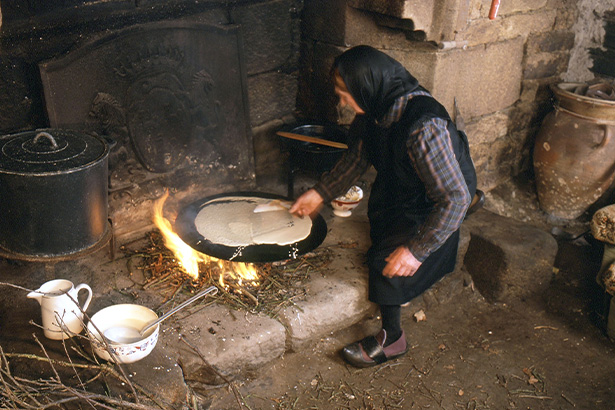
(313, 140)
(493, 11)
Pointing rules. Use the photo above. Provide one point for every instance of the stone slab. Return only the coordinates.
(271, 95)
(426, 16)
(159, 375)
(221, 343)
(337, 297)
(483, 79)
(267, 29)
(507, 259)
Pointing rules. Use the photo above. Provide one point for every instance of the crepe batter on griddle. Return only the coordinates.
(231, 221)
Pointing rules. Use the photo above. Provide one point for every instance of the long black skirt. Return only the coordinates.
(399, 290)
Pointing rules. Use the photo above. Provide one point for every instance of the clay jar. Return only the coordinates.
(574, 153)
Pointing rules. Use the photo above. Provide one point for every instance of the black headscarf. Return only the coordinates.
(373, 79)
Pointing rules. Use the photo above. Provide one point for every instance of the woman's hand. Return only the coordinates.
(401, 262)
(307, 204)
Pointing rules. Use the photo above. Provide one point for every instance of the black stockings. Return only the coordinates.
(391, 322)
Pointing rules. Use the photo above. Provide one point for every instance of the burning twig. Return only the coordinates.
(243, 291)
(273, 287)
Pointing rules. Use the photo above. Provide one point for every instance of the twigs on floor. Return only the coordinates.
(272, 287)
(54, 392)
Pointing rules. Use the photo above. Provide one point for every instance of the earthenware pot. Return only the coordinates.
(574, 158)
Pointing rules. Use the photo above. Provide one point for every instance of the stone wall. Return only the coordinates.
(497, 70)
(34, 31)
(591, 37)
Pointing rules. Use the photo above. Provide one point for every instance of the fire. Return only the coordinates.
(189, 258)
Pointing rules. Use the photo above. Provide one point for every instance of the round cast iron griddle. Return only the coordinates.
(186, 229)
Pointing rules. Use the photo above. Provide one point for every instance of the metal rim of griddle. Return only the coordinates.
(186, 229)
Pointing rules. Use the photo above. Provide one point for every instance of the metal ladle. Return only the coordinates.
(127, 335)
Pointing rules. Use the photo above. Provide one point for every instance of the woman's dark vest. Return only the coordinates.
(397, 191)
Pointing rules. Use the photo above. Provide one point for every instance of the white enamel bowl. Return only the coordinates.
(123, 315)
(343, 205)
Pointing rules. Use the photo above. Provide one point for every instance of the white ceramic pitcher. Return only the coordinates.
(61, 315)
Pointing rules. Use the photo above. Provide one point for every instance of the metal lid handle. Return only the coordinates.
(49, 137)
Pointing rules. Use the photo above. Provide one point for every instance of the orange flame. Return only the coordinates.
(189, 258)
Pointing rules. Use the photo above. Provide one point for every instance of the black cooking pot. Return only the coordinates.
(53, 192)
(315, 157)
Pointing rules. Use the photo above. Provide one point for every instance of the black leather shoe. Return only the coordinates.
(370, 352)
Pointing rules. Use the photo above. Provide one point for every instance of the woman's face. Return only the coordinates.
(344, 95)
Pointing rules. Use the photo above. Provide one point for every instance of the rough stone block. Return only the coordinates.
(483, 79)
(267, 28)
(544, 65)
(269, 159)
(19, 98)
(484, 31)
(338, 298)
(480, 8)
(271, 96)
(336, 303)
(221, 341)
(159, 375)
(316, 98)
(488, 128)
(325, 20)
(518, 6)
(508, 260)
(422, 62)
(550, 41)
(365, 28)
(335, 23)
(421, 13)
(488, 160)
(566, 17)
(425, 16)
(526, 23)
(521, 147)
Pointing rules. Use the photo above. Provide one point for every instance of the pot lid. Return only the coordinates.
(49, 151)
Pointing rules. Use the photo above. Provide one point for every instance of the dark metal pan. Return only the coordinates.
(186, 229)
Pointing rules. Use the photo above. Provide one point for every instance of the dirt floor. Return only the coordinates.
(546, 352)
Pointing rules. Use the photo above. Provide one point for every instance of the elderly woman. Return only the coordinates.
(424, 185)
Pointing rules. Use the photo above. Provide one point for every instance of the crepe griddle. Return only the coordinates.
(187, 231)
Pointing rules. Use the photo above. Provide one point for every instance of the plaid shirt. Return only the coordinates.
(431, 153)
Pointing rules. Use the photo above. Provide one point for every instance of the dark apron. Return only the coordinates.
(399, 205)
